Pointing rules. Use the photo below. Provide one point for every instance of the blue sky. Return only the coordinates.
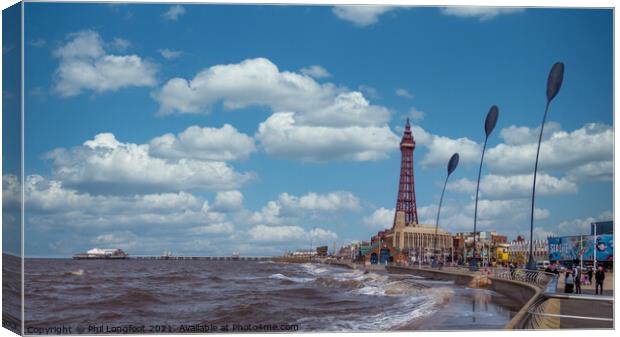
(206, 129)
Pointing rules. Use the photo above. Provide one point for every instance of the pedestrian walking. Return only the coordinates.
(590, 273)
(577, 277)
(569, 282)
(599, 278)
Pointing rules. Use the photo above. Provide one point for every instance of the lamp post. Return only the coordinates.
(452, 164)
(489, 125)
(554, 83)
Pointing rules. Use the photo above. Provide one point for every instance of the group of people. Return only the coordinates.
(575, 277)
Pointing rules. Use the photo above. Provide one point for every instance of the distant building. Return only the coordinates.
(354, 250)
(303, 253)
(488, 243)
(519, 250)
(321, 251)
(496, 239)
(102, 253)
(501, 253)
(418, 241)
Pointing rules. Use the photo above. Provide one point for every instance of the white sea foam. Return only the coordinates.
(314, 269)
(292, 278)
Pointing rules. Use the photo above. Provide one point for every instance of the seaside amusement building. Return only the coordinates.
(408, 240)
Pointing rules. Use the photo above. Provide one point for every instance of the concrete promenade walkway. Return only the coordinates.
(577, 307)
(608, 285)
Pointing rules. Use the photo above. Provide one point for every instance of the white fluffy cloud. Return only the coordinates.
(515, 186)
(104, 163)
(119, 44)
(251, 82)
(85, 65)
(260, 82)
(50, 203)
(174, 12)
(280, 136)
(381, 218)
(218, 144)
(595, 171)
(515, 209)
(403, 93)
(290, 207)
(315, 71)
(561, 150)
(290, 234)
(415, 114)
(169, 54)
(521, 135)
(226, 201)
(570, 227)
(584, 154)
(483, 13)
(311, 121)
(505, 216)
(361, 15)
(441, 148)
(330, 202)
(216, 228)
(270, 214)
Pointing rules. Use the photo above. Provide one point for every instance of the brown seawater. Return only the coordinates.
(150, 296)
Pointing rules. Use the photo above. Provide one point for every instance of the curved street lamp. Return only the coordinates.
(554, 83)
(489, 125)
(452, 164)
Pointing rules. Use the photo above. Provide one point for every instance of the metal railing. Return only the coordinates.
(538, 278)
(540, 317)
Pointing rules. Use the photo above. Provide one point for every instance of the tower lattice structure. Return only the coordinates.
(406, 188)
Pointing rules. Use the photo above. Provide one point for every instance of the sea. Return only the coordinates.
(175, 296)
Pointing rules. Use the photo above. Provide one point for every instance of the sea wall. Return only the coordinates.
(522, 293)
(438, 275)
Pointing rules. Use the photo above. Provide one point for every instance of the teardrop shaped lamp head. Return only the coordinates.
(489, 123)
(453, 163)
(554, 82)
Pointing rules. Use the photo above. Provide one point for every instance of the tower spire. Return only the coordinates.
(405, 201)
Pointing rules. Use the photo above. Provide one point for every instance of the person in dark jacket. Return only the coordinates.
(599, 278)
(569, 282)
(577, 278)
(590, 273)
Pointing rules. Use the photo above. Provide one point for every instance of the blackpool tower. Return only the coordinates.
(406, 210)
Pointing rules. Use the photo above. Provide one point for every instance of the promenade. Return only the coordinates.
(572, 308)
(608, 285)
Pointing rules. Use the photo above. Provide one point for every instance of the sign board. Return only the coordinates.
(569, 248)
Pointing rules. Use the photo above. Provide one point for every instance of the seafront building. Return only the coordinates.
(490, 248)
(518, 251)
